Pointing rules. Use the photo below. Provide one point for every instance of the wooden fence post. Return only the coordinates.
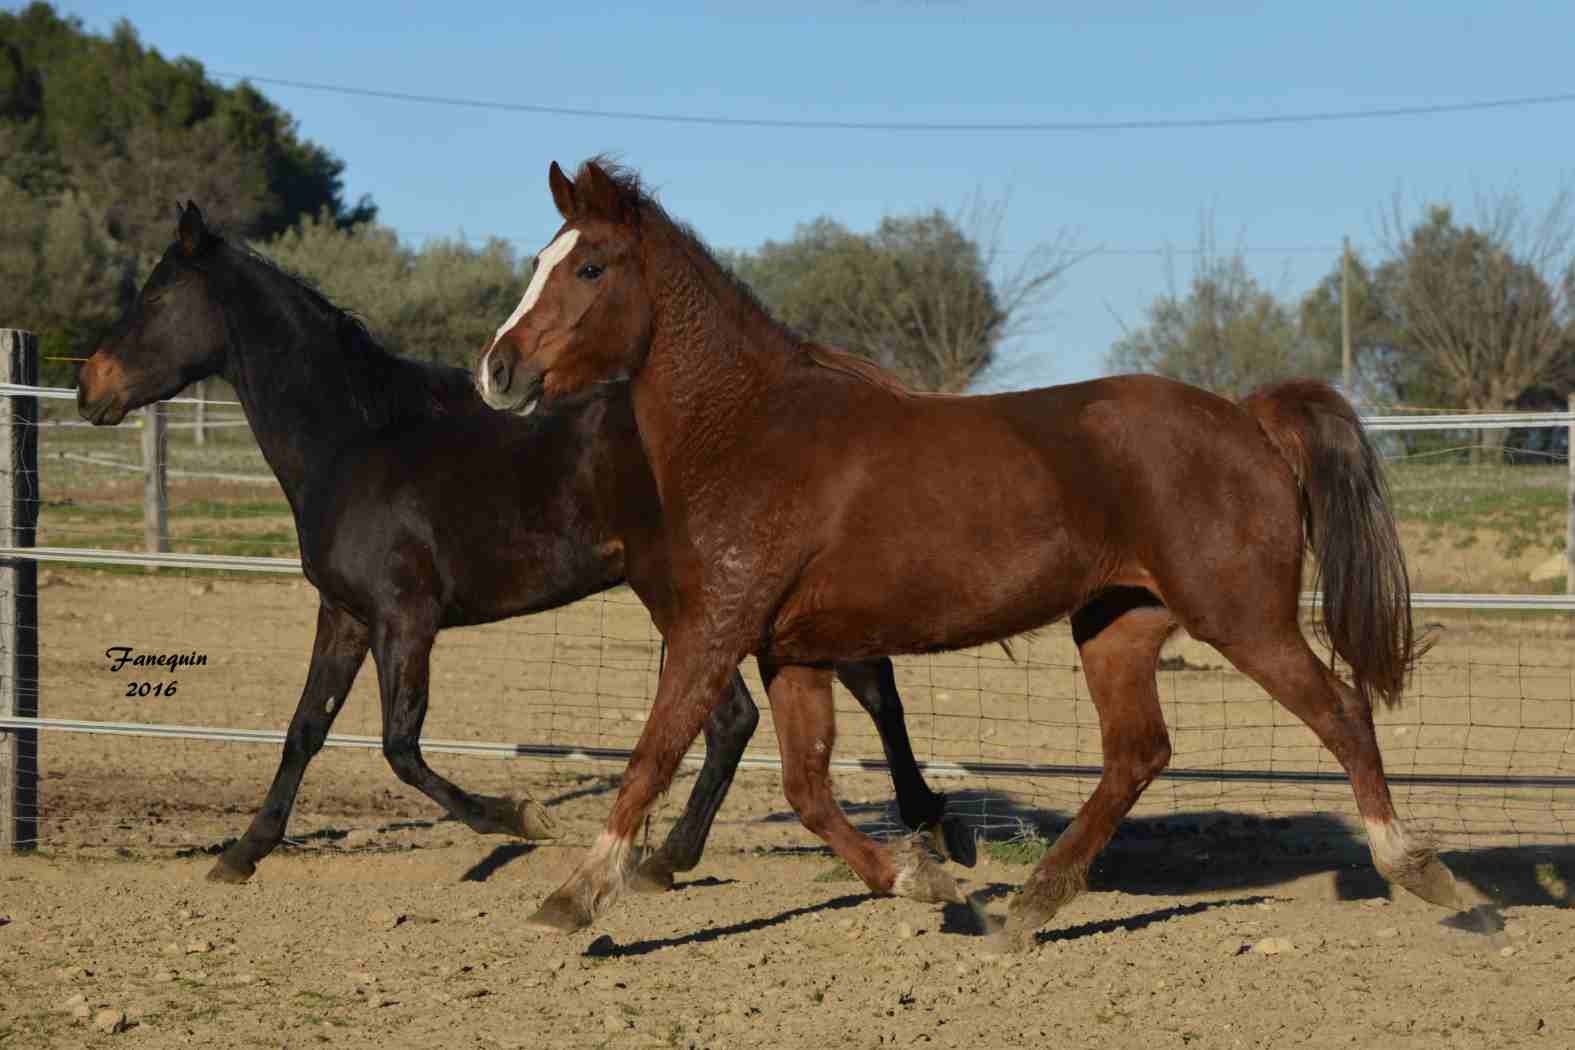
(155, 486)
(200, 417)
(19, 593)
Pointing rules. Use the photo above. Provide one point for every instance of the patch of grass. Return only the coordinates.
(316, 999)
(211, 1012)
(1523, 505)
(1026, 847)
(837, 872)
(675, 1033)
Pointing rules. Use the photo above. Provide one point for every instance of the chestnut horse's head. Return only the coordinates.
(585, 317)
(171, 336)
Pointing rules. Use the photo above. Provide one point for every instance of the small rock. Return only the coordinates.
(134, 1014)
(1516, 929)
(82, 1011)
(385, 920)
(1387, 932)
(244, 978)
(360, 977)
(1273, 946)
(110, 1021)
(164, 976)
(73, 1002)
(1506, 951)
(905, 932)
(473, 914)
(199, 947)
(185, 915)
(473, 993)
(359, 839)
(613, 1021)
(74, 973)
(386, 1000)
(1376, 902)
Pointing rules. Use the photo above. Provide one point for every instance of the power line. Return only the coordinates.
(711, 120)
(1160, 252)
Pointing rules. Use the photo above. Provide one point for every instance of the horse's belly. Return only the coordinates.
(855, 614)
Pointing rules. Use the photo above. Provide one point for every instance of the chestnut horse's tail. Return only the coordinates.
(1366, 592)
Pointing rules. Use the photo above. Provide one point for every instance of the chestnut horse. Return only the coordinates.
(413, 516)
(814, 510)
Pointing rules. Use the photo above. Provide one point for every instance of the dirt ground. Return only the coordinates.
(1228, 913)
(405, 944)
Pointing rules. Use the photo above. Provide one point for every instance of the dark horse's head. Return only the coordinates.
(171, 336)
(586, 314)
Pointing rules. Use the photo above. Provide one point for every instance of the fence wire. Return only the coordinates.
(1482, 752)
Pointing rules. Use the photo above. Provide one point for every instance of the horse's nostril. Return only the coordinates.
(500, 372)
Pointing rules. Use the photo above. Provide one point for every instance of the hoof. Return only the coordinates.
(559, 915)
(1435, 884)
(230, 871)
(532, 821)
(1026, 915)
(654, 875)
(920, 878)
(955, 841)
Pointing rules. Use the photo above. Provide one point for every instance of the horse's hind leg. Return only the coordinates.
(1119, 643)
(874, 685)
(402, 648)
(1280, 660)
(727, 732)
(337, 654)
(802, 711)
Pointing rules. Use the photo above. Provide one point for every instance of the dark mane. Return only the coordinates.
(384, 388)
(614, 192)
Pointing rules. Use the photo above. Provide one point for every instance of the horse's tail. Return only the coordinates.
(1350, 528)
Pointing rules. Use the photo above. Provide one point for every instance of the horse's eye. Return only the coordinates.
(588, 272)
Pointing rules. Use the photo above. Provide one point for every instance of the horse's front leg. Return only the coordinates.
(804, 715)
(694, 682)
(337, 654)
(727, 732)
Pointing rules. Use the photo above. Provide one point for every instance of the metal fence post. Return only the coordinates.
(1569, 510)
(19, 593)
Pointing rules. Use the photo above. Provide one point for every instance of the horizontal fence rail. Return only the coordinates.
(953, 769)
(242, 563)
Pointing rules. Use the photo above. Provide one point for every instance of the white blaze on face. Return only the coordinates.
(550, 257)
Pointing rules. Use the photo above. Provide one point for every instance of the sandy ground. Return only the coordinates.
(406, 945)
(1226, 914)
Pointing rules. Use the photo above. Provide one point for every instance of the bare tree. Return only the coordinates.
(1484, 308)
(1224, 332)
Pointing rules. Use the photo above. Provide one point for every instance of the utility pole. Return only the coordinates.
(1345, 320)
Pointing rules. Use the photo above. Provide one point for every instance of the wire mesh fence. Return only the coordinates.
(1481, 753)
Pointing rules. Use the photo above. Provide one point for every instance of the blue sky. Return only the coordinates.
(1284, 194)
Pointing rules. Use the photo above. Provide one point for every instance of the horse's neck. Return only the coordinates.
(694, 389)
(298, 390)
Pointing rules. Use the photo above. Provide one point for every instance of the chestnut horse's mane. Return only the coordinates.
(620, 198)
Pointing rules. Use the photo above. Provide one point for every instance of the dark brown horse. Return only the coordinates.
(813, 510)
(413, 515)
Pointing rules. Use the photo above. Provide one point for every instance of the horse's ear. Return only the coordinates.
(611, 200)
(192, 231)
(562, 192)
